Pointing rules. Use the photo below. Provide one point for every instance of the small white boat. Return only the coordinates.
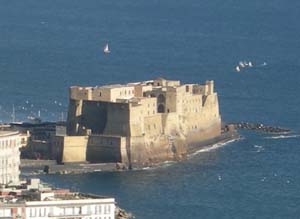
(241, 64)
(237, 68)
(106, 49)
(250, 64)
(245, 63)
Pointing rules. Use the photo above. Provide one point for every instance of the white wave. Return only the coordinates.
(212, 147)
(166, 163)
(282, 136)
(206, 149)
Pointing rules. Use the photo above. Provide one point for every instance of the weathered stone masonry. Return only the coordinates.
(138, 123)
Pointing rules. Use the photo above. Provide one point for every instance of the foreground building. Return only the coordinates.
(138, 123)
(33, 200)
(10, 142)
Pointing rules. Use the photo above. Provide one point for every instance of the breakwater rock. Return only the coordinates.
(122, 214)
(260, 127)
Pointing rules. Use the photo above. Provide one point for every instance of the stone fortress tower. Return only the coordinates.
(138, 123)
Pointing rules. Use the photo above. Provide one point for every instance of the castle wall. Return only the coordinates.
(93, 148)
(105, 93)
(145, 151)
(74, 111)
(126, 92)
(93, 117)
(106, 149)
(148, 151)
(170, 123)
(69, 148)
(80, 93)
(171, 100)
(117, 119)
(164, 82)
(153, 125)
(203, 118)
(101, 94)
(139, 114)
(195, 137)
(136, 120)
(139, 89)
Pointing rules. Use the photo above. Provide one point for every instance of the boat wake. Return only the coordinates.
(282, 136)
(259, 148)
(212, 147)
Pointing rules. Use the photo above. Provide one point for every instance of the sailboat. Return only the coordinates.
(242, 64)
(106, 49)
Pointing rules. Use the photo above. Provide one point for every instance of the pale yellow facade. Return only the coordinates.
(156, 118)
(10, 143)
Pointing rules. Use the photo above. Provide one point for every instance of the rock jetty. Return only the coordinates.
(260, 127)
(122, 214)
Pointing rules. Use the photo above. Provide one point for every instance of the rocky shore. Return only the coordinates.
(122, 214)
(260, 127)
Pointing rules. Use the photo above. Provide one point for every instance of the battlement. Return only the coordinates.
(137, 90)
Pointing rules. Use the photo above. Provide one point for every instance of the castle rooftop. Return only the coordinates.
(112, 86)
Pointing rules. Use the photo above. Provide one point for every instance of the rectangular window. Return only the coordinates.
(187, 88)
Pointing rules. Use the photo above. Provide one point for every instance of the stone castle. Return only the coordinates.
(138, 123)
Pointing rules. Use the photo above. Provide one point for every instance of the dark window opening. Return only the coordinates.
(187, 88)
(161, 108)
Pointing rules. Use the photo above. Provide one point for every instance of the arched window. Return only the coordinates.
(161, 98)
(161, 108)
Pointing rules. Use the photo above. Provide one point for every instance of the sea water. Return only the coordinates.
(47, 46)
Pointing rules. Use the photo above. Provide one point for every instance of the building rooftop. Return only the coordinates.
(110, 86)
(33, 190)
(8, 133)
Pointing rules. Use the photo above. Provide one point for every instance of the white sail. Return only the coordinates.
(106, 49)
(237, 68)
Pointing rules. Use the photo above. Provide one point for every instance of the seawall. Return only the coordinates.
(34, 167)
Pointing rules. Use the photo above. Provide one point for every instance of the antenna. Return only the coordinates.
(62, 116)
(13, 115)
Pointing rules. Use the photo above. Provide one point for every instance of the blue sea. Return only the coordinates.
(47, 46)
